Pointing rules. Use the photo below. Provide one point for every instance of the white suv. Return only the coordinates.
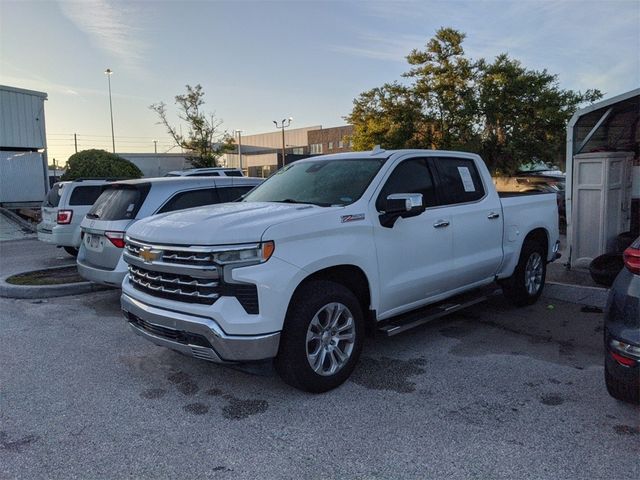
(122, 204)
(64, 208)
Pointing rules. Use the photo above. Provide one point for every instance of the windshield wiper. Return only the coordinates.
(93, 215)
(291, 200)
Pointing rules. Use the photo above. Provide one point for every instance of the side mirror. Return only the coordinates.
(401, 205)
(404, 203)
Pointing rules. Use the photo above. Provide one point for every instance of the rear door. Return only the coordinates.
(476, 220)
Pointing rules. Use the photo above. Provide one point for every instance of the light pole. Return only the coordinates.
(109, 72)
(155, 147)
(284, 124)
(239, 132)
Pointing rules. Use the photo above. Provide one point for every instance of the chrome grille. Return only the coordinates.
(177, 287)
(185, 274)
(167, 255)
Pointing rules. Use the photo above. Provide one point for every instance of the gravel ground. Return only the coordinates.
(493, 392)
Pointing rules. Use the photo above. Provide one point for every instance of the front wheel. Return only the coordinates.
(322, 337)
(525, 286)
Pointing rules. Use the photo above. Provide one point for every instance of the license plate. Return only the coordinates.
(93, 242)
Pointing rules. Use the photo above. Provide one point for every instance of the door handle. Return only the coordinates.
(493, 215)
(441, 224)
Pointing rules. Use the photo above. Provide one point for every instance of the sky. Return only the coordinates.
(260, 61)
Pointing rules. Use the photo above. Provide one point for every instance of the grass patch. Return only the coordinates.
(55, 276)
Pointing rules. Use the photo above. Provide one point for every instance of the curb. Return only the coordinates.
(19, 220)
(8, 290)
(592, 296)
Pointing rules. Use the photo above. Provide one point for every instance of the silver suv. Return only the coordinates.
(206, 172)
(63, 210)
(123, 203)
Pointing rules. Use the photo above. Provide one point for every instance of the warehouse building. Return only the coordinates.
(261, 154)
(23, 147)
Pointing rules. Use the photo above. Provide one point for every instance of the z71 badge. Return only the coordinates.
(352, 218)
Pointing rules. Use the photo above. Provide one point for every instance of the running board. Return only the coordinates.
(410, 320)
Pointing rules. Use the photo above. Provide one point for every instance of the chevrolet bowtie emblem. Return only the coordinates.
(149, 255)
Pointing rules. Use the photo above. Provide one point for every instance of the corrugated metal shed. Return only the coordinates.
(23, 147)
(22, 118)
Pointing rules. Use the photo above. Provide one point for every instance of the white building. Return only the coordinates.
(23, 147)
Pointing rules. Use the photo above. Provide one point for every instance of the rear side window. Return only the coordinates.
(231, 194)
(85, 195)
(190, 199)
(53, 197)
(459, 180)
(233, 173)
(118, 203)
(411, 176)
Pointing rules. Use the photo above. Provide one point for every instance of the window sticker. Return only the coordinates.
(467, 181)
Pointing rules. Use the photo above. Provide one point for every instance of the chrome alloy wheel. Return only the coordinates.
(330, 339)
(533, 273)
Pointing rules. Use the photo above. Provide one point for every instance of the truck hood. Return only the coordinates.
(226, 223)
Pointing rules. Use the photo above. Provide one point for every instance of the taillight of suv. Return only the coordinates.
(64, 217)
(117, 238)
(631, 257)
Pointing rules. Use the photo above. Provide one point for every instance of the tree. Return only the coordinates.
(204, 141)
(500, 109)
(444, 85)
(99, 164)
(385, 116)
(523, 114)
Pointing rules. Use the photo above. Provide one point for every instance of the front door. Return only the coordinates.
(415, 256)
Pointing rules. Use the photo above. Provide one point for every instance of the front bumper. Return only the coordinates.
(196, 336)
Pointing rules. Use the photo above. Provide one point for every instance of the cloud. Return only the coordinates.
(113, 27)
(378, 47)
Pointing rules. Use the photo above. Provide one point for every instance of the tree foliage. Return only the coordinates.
(99, 164)
(500, 109)
(204, 140)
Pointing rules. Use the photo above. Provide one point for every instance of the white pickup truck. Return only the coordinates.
(328, 248)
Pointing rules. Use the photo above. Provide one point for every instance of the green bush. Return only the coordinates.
(99, 164)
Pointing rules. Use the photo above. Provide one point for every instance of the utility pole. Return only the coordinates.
(75, 141)
(109, 72)
(284, 124)
(155, 147)
(239, 132)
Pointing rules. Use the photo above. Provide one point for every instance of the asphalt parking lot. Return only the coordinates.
(493, 392)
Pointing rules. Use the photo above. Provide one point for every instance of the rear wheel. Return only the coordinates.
(525, 286)
(619, 388)
(71, 251)
(322, 337)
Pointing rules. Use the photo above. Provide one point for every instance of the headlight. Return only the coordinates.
(246, 256)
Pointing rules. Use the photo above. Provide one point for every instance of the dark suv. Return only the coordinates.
(622, 330)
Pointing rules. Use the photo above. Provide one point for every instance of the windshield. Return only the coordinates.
(321, 182)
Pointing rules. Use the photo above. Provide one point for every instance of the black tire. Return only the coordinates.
(292, 362)
(515, 288)
(71, 251)
(605, 268)
(619, 388)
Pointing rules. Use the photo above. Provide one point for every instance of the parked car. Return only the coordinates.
(622, 330)
(63, 210)
(206, 172)
(328, 246)
(122, 204)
